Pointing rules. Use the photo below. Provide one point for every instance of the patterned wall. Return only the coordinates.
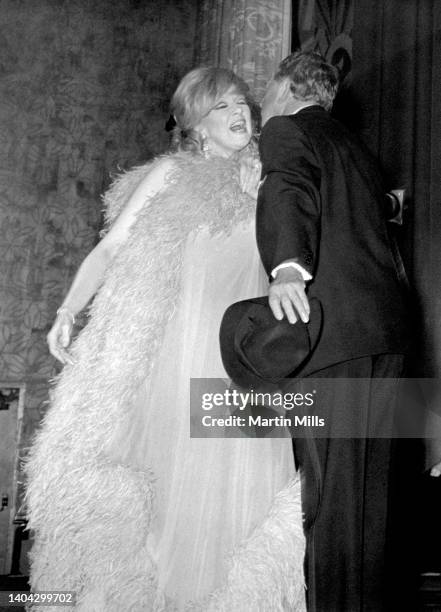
(84, 90)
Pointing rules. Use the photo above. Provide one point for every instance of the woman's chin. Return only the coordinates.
(236, 144)
(242, 141)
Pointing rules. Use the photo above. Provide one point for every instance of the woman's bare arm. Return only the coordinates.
(91, 272)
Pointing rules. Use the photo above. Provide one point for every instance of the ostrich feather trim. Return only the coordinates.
(90, 516)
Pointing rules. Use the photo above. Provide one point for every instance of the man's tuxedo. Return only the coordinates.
(322, 203)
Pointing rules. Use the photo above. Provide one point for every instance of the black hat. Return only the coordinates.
(259, 351)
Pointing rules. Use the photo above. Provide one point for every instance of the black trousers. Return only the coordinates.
(346, 485)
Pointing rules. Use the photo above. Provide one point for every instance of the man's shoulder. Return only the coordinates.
(280, 131)
(324, 130)
(305, 125)
(279, 123)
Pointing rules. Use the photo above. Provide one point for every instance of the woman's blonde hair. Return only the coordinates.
(196, 95)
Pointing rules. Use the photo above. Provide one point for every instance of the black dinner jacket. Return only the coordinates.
(322, 202)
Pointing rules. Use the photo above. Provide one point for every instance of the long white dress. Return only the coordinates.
(224, 529)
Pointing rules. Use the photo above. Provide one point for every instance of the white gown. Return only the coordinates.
(210, 493)
(224, 530)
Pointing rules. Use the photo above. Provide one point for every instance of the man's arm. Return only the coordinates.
(288, 214)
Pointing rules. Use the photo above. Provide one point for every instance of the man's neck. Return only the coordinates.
(298, 106)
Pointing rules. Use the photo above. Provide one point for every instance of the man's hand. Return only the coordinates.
(436, 470)
(287, 296)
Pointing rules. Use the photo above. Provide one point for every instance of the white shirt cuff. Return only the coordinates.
(292, 264)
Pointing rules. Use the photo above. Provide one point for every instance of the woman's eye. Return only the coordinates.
(222, 105)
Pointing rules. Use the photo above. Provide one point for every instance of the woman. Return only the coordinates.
(129, 511)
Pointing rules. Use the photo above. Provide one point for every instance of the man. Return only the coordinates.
(322, 232)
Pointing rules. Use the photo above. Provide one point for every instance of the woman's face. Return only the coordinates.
(227, 127)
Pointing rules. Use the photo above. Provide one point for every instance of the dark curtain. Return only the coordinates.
(394, 103)
(396, 91)
(324, 26)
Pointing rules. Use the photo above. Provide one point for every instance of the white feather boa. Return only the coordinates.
(90, 517)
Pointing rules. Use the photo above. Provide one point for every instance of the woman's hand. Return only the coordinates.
(60, 336)
(250, 171)
(91, 273)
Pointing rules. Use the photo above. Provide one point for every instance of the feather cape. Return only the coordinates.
(90, 516)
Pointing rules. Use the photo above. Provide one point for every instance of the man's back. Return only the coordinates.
(326, 193)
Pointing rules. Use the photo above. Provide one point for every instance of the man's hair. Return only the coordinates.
(312, 78)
